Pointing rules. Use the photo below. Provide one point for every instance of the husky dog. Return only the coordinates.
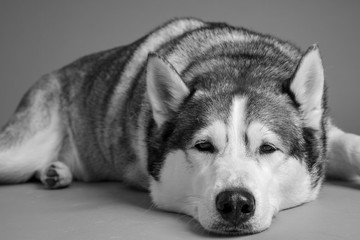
(218, 122)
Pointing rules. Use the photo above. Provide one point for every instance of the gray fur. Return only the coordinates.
(97, 112)
(232, 58)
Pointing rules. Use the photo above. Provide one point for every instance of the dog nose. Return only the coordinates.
(235, 206)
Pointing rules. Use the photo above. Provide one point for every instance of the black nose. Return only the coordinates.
(236, 205)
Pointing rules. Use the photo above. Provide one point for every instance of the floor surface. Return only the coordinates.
(112, 211)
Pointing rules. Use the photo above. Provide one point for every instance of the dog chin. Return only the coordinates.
(216, 225)
(221, 228)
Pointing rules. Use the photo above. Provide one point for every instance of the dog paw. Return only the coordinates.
(56, 175)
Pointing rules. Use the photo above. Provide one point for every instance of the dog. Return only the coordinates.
(221, 123)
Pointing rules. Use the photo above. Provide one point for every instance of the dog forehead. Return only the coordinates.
(271, 112)
(278, 115)
(221, 129)
(237, 109)
(237, 122)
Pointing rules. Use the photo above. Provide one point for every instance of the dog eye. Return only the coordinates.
(205, 146)
(267, 149)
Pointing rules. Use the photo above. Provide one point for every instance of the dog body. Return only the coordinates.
(221, 123)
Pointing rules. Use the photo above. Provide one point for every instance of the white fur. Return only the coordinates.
(259, 133)
(20, 162)
(308, 87)
(215, 133)
(162, 80)
(190, 180)
(344, 155)
(174, 190)
(237, 125)
(64, 175)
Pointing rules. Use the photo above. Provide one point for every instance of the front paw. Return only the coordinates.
(56, 175)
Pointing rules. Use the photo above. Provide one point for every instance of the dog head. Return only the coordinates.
(238, 141)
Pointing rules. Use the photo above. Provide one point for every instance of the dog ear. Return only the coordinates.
(165, 89)
(308, 87)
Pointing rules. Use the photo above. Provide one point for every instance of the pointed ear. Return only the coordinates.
(308, 87)
(165, 89)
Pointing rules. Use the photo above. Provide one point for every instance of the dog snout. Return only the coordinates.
(235, 206)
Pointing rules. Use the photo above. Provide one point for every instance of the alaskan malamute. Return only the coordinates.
(218, 122)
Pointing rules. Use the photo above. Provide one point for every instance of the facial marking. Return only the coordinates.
(258, 133)
(231, 166)
(215, 133)
(237, 125)
(191, 179)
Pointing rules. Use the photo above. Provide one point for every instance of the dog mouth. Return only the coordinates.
(226, 229)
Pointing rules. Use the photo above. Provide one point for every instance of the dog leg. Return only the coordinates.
(32, 139)
(343, 155)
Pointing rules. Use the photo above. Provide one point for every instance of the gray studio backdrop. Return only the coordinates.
(39, 36)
